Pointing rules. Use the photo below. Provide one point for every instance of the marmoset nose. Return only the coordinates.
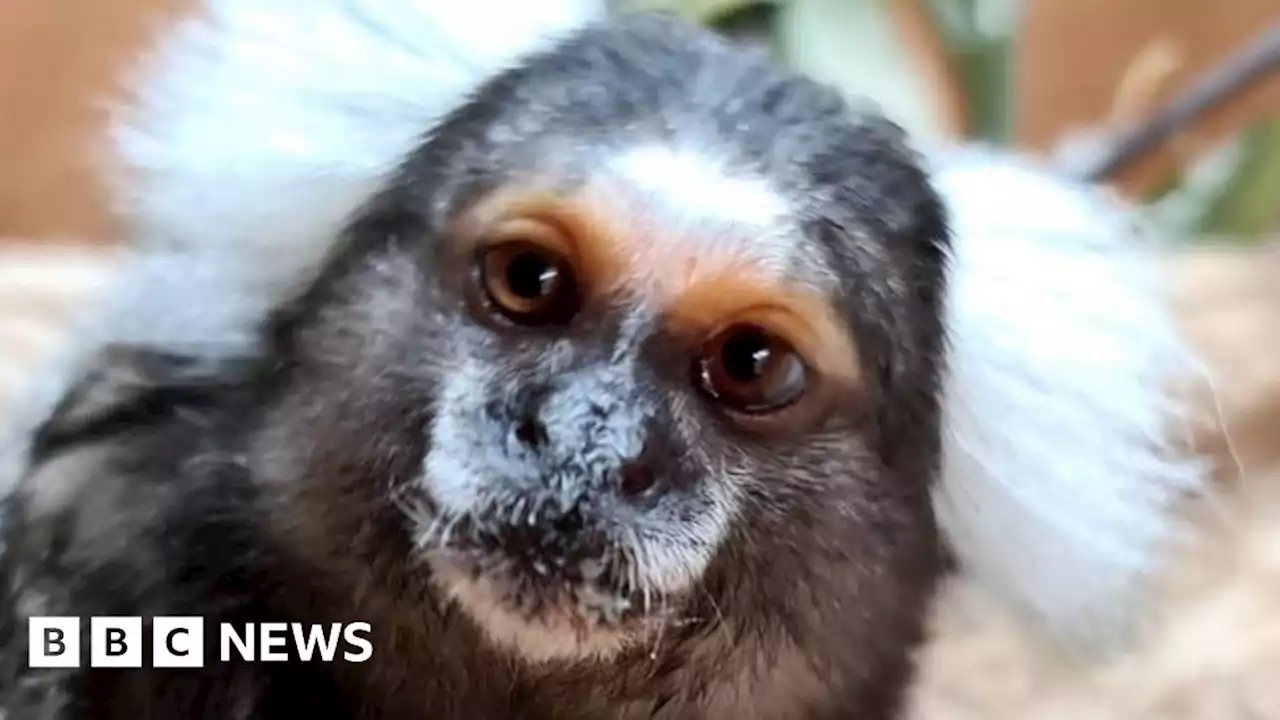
(636, 481)
(530, 432)
(590, 440)
(527, 427)
(642, 480)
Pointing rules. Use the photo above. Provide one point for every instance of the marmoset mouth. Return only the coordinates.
(554, 585)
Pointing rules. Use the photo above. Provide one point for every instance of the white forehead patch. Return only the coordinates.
(697, 186)
(704, 205)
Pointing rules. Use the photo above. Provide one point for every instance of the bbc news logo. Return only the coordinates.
(179, 642)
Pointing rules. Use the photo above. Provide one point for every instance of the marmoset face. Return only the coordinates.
(685, 310)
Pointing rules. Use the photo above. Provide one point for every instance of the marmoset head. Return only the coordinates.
(675, 317)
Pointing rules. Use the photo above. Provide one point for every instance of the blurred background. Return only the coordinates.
(1061, 79)
(1054, 77)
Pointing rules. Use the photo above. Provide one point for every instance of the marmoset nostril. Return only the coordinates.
(635, 481)
(531, 434)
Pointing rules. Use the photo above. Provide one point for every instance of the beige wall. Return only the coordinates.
(57, 59)
(1083, 61)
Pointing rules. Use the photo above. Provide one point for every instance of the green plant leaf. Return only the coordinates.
(982, 37)
(1248, 204)
(854, 46)
(1180, 210)
(752, 23)
(702, 12)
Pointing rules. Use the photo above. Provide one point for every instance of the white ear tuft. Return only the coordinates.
(1061, 432)
(257, 128)
(254, 129)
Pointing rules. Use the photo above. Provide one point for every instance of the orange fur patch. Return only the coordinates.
(803, 318)
(699, 286)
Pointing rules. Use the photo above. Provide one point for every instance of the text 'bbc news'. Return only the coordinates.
(179, 642)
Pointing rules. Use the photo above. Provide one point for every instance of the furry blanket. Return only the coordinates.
(1212, 647)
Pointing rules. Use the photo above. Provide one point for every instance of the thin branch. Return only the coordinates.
(1236, 74)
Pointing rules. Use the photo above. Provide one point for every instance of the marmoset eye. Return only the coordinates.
(751, 370)
(529, 284)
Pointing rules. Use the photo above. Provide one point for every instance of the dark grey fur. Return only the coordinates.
(276, 487)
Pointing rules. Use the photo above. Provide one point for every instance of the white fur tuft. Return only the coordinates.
(255, 128)
(258, 127)
(1061, 457)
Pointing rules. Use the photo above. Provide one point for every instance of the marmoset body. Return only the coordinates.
(619, 399)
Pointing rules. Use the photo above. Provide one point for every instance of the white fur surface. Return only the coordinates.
(692, 184)
(261, 125)
(1062, 440)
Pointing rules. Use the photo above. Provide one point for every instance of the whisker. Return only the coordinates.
(721, 624)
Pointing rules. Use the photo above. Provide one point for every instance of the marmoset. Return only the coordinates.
(621, 395)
